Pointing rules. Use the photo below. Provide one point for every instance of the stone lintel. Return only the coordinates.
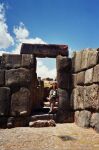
(44, 50)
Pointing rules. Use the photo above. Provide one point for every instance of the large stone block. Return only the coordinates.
(80, 78)
(84, 63)
(29, 61)
(77, 98)
(76, 61)
(20, 76)
(11, 60)
(96, 74)
(91, 97)
(95, 121)
(63, 63)
(92, 57)
(63, 80)
(89, 76)
(82, 118)
(2, 77)
(63, 106)
(44, 50)
(4, 101)
(21, 102)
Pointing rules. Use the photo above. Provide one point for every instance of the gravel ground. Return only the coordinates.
(62, 137)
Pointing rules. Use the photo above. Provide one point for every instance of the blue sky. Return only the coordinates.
(71, 22)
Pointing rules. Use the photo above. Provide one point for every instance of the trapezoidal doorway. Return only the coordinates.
(63, 65)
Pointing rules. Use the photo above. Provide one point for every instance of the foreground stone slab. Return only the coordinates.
(91, 97)
(44, 50)
(82, 118)
(21, 103)
(20, 76)
(4, 101)
(42, 123)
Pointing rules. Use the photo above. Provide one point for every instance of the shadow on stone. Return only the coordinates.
(66, 138)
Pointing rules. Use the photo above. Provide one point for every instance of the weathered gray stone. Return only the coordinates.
(80, 78)
(96, 74)
(84, 63)
(2, 77)
(95, 121)
(63, 63)
(92, 57)
(42, 123)
(77, 98)
(11, 60)
(4, 101)
(44, 50)
(82, 118)
(21, 103)
(28, 60)
(63, 80)
(63, 106)
(89, 76)
(91, 96)
(20, 76)
(76, 61)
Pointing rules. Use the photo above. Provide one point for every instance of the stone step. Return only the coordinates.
(42, 123)
(47, 104)
(43, 117)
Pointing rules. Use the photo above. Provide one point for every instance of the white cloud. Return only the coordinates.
(6, 39)
(44, 72)
(21, 32)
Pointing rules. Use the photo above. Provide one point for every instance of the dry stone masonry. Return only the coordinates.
(85, 88)
(78, 87)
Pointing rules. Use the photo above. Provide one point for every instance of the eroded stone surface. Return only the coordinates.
(44, 50)
(89, 76)
(4, 101)
(80, 78)
(82, 118)
(43, 123)
(20, 76)
(95, 121)
(21, 103)
(77, 98)
(91, 96)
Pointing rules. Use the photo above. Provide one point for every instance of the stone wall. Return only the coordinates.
(85, 88)
(18, 89)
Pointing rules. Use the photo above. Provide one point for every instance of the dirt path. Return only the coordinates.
(61, 137)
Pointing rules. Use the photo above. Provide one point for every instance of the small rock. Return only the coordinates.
(42, 123)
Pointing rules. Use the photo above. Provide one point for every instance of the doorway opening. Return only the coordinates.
(46, 76)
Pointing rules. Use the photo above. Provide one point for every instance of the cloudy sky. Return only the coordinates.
(71, 22)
